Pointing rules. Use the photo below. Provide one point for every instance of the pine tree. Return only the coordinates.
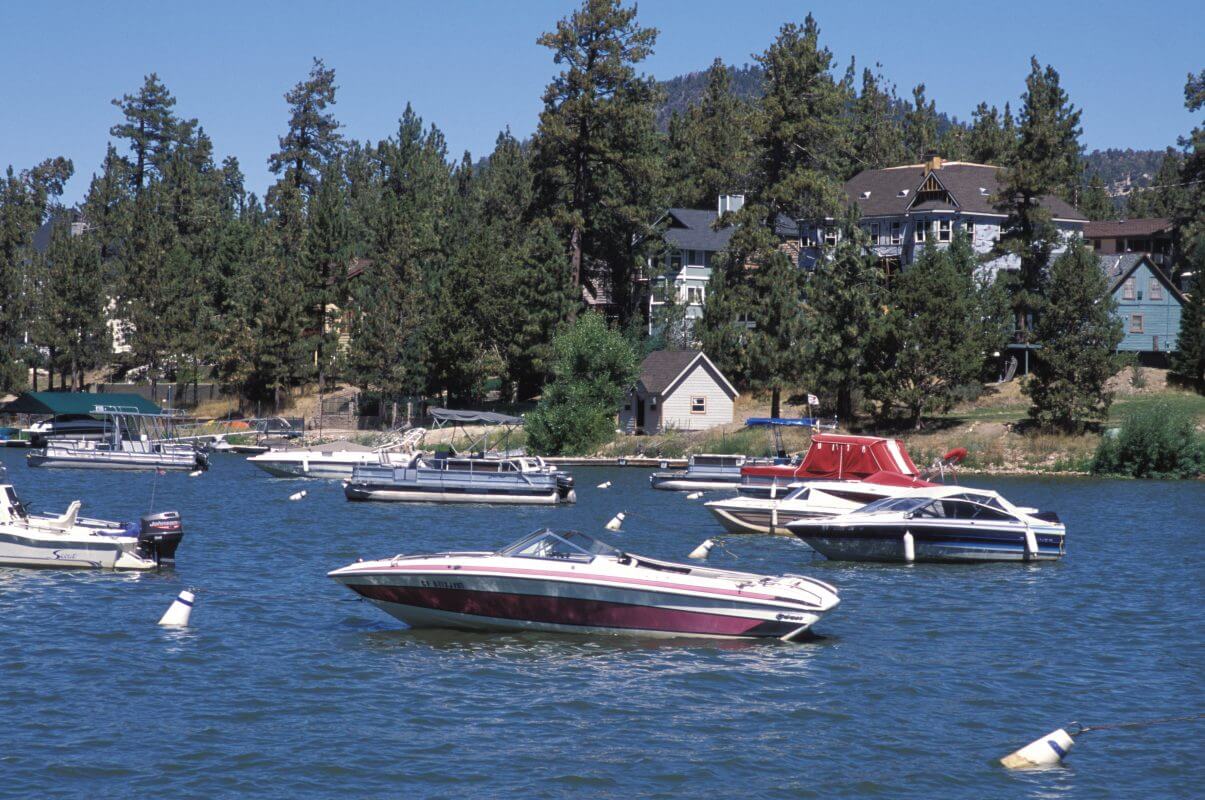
(313, 137)
(1047, 162)
(152, 128)
(710, 145)
(878, 138)
(1079, 332)
(1188, 361)
(71, 304)
(936, 336)
(596, 149)
(776, 337)
(327, 254)
(283, 316)
(920, 125)
(1095, 202)
(991, 139)
(844, 298)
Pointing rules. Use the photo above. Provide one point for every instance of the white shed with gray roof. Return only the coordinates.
(678, 390)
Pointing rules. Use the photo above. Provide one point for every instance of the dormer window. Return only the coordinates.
(903, 193)
(866, 195)
(983, 191)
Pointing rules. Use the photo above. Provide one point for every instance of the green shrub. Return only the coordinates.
(1155, 441)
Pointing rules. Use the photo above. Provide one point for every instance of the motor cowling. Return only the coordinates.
(159, 535)
(564, 484)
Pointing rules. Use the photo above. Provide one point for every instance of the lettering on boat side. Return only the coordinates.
(789, 617)
(441, 584)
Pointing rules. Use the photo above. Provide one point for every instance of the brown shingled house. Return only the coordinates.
(1152, 236)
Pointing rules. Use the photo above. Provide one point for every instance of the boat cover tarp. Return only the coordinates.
(786, 422)
(443, 415)
(76, 403)
(843, 457)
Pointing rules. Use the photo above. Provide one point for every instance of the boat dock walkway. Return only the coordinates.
(616, 461)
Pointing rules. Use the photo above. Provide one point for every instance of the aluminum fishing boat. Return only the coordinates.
(703, 471)
(831, 456)
(808, 500)
(445, 479)
(573, 583)
(69, 540)
(942, 523)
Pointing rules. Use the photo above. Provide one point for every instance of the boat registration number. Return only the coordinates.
(440, 584)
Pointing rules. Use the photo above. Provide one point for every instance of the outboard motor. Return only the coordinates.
(564, 487)
(159, 535)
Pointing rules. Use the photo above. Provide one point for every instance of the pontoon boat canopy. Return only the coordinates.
(445, 415)
(76, 403)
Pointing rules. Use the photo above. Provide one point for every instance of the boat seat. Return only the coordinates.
(66, 520)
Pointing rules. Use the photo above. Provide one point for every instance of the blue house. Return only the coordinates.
(1148, 303)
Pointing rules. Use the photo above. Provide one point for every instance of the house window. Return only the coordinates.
(1128, 290)
(807, 239)
(830, 237)
(969, 227)
(943, 230)
(897, 233)
(920, 230)
(698, 405)
(694, 295)
(675, 261)
(874, 233)
(1135, 323)
(1156, 289)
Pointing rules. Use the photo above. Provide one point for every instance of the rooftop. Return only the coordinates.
(1112, 229)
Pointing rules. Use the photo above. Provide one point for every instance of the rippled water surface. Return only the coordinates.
(287, 686)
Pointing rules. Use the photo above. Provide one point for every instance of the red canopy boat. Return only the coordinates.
(835, 456)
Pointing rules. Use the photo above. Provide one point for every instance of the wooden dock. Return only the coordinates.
(616, 461)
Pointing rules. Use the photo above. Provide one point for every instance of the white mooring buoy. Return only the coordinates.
(196, 473)
(694, 495)
(297, 495)
(909, 547)
(604, 485)
(702, 551)
(616, 522)
(179, 611)
(1049, 751)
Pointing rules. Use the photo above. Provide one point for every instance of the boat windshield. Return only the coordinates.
(894, 505)
(570, 545)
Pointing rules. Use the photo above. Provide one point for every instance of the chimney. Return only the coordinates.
(731, 202)
(932, 161)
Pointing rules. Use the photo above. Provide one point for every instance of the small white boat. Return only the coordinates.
(942, 523)
(335, 460)
(454, 479)
(704, 471)
(568, 582)
(69, 540)
(807, 500)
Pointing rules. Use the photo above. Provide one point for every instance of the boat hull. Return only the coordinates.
(506, 603)
(764, 521)
(950, 545)
(679, 482)
(120, 462)
(22, 551)
(436, 494)
(293, 469)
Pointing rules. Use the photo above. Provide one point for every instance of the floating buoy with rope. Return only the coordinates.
(694, 495)
(297, 495)
(616, 522)
(604, 485)
(179, 612)
(702, 551)
(1051, 749)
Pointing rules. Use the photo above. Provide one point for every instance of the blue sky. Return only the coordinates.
(473, 68)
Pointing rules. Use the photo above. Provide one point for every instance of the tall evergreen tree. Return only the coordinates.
(709, 146)
(596, 149)
(776, 336)
(1188, 361)
(327, 255)
(991, 138)
(920, 125)
(151, 127)
(313, 137)
(1079, 332)
(1095, 202)
(878, 138)
(71, 304)
(844, 298)
(1047, 162)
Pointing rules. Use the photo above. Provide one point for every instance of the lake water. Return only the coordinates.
(287, 686)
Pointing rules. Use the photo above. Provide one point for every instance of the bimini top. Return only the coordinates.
(844, 457)
(445, 415)
(77, 403)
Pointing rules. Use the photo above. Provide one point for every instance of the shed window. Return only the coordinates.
(1135, 323)
(1129, 289)
(698, 405)
(1156, 289)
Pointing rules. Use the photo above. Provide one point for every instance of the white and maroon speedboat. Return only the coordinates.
(568, 582)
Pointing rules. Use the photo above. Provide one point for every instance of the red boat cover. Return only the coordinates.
(842, 457)
(895, 479)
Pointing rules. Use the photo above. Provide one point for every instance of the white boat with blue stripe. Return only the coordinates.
(940, 524)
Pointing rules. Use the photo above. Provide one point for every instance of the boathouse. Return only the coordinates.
(677, 390)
